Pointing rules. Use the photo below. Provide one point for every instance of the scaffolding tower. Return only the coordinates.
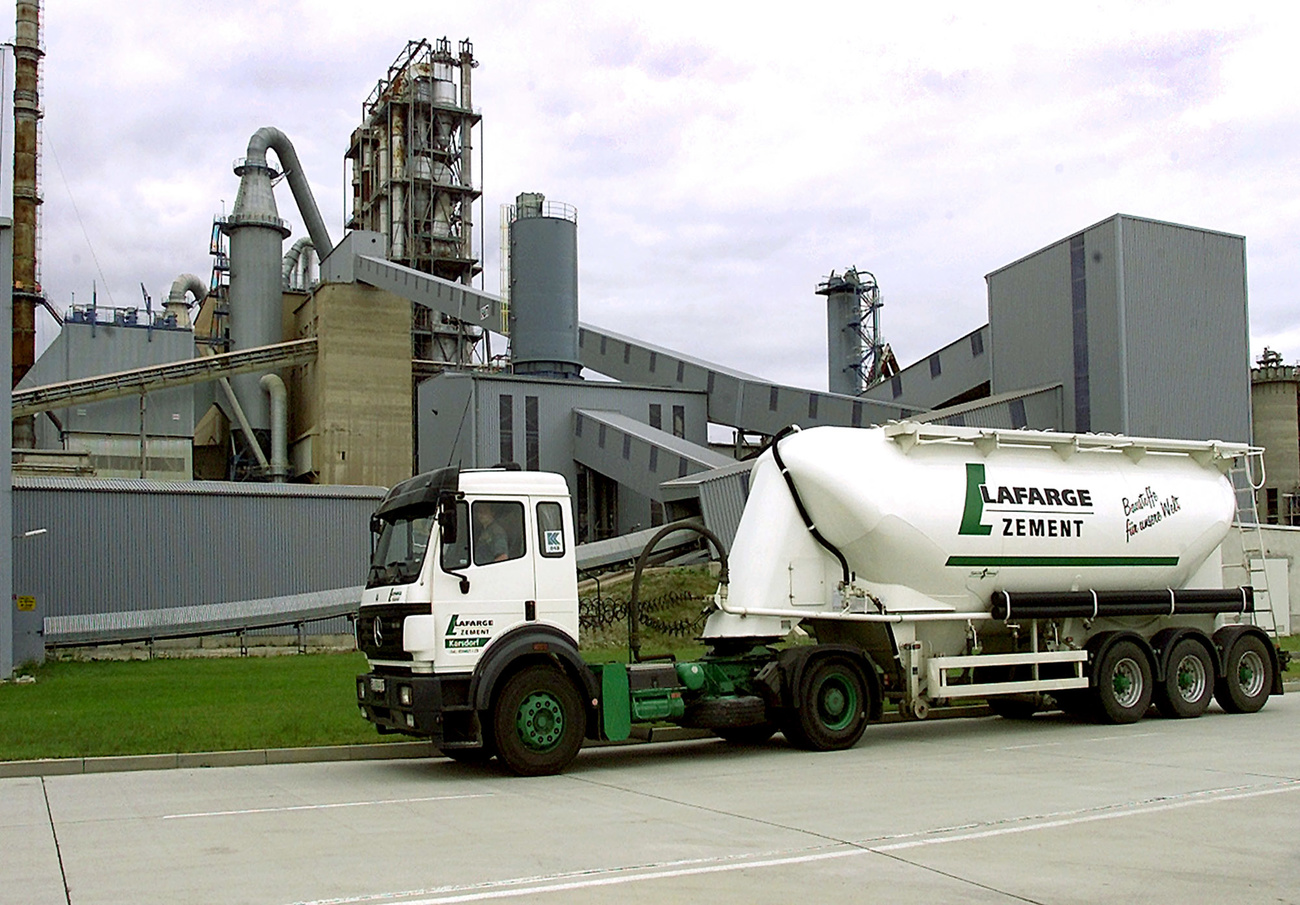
(412, 179)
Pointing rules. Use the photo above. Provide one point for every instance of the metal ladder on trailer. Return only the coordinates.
(1244, 487)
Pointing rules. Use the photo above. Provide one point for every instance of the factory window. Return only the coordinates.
(600, 437)
(976, 344)
(1079, 319)
(627, 352)
(582, 338)
(857, 414)
(896, 385)
(812, 405)
(507, 428)
(935, 367)
(531, 434)
(577, 424)
(681, 468)
(654, 360)
(627, 446)
(712, 375)
(656, 416)
(1018, 419)
(679, 421)
(550, 529)
(654, 458)
(1270, 505)
(498, 531)
(656, 513)
(681, 371)
(772, 397)
(603, 340)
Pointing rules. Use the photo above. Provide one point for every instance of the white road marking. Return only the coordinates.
(598, 877)
(1098, 738)
(322, 807)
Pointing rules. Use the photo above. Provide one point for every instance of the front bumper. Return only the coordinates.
(433, 707)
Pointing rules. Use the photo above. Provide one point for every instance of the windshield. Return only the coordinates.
(399, 552)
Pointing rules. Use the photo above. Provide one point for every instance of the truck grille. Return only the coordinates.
(379, 629)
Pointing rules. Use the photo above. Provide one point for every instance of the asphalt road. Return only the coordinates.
(976, 810)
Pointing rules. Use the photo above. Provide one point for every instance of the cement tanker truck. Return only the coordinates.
(909, 565)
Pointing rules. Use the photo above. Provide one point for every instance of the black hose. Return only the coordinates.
(634, 601)
(774, 445)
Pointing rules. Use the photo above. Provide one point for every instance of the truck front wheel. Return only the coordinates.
(1123, 683)
(538, 722)
(831, 707)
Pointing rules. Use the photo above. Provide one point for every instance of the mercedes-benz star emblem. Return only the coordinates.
(379, 632)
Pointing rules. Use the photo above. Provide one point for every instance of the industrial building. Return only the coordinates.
(352, 364)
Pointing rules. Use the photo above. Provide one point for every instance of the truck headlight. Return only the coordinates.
(410, 721)
(404, 695)
(361, 691)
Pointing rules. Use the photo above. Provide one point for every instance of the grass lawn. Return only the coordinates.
(85, 709)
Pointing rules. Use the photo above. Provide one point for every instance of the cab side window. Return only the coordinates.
(456, 554)
(550, 529)
(497, 527)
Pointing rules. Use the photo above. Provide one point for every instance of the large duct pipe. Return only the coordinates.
(27, 116)
(274, 387)
(176, 304)
(291, 261)
(271, 138)
(256, 244)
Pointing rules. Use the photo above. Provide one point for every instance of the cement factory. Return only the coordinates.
(251, 422)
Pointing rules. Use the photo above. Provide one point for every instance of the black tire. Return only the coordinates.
(1248, 676)
(726, 713)
(748, 735)
(1013, 708)
(831, 707)
(1123, 683)
(538, 722)
(1188, 685)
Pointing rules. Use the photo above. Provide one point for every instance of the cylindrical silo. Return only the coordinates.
(544, 288)
(844, 350)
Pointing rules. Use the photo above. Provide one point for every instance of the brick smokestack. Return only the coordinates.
(27, 115)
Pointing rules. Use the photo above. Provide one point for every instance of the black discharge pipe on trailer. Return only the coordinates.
(775, 446)
(634, 600)
(1095, 604)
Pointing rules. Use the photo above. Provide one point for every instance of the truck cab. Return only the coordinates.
(466, 566)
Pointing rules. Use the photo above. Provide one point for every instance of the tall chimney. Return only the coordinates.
(27, 115)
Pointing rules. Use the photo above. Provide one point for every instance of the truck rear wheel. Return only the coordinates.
(1189, 681)
(831, 706)
(1123, 683)
(538, 722)
(1248, 678)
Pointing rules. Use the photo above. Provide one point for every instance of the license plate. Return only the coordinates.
(377, 685)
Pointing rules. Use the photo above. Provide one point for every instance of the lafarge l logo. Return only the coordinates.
(972, 517)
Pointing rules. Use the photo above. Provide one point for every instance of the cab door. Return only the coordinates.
(485, 579)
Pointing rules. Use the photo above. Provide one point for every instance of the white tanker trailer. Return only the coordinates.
(910, 564)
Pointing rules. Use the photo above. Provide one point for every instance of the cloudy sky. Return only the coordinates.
(722, 161)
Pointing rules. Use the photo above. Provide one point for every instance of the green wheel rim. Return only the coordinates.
(1192, 678)
(1127, 682)
(1250, 673)
(837, 702)
(540, 721)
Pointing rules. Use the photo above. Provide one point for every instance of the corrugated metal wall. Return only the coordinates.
(113, 546)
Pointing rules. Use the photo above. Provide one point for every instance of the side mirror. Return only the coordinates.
(447, 521)
(376, 524)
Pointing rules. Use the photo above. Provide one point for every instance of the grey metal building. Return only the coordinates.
(114, 546)
(1142, 322)
(479, 420)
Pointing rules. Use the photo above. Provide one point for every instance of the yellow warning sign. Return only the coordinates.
(26, 603)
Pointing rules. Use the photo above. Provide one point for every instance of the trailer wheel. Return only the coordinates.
(832, 706)
(1189, 681)
(1248, 678)
(1123, 683)
(538, 721)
